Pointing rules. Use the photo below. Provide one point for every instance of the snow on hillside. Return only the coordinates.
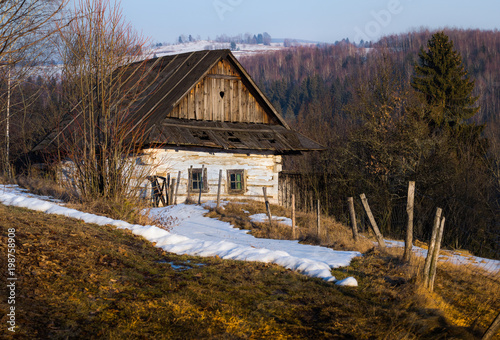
(241, 49)
(221, 238)
(262, 218)
(453, 257)
(195, 234)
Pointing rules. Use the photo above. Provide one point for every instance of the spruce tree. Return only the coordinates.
(453, 168)
(443, 81)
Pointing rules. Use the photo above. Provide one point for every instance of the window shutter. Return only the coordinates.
(205, 180)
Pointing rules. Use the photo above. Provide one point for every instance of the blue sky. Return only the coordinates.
(316, 20)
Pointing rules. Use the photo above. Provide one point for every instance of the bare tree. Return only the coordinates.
(25, 23)
(98, 49)
(25, 26)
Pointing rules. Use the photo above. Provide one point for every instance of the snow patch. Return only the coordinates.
(195, 234)
(262, 218)
(453, 257)
(349, 282)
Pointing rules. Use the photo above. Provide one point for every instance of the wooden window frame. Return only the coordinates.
(243, 181)
(197, 171)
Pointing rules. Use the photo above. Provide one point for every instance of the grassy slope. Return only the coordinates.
(81, 280)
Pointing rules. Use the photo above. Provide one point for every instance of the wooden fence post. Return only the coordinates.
(268, 208)
(293, 216)
(218, 189)
(201, 183)
(177, 187)
(168, 199)
(493, 329)
(172, 192)
(378, 235)
(435, 256)
(318, 218)
(432, 244)
(409, 227)
(190, 176)
(354, 225)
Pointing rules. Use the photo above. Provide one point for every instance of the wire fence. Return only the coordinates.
(467, 287)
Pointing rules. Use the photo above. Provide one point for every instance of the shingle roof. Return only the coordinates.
(230, 136)
(172, 77)
(167, 80)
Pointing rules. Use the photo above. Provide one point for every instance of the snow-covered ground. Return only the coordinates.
(450, 256)
(453, 257)
(262, 218)
(194, 234)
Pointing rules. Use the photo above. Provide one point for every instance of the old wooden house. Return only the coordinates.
(202, 113)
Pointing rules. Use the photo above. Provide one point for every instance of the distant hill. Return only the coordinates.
(320, 90)
(240, 49)
(340, 65)
(300, 41)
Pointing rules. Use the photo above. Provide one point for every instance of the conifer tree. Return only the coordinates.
(453, 170)
(445, 85)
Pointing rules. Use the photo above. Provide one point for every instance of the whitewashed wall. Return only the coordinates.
(261, 171)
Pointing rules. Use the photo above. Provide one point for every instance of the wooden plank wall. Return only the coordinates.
(221, 96)
(260, 170)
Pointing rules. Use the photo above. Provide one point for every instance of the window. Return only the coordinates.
(197, 181)
(236, 181)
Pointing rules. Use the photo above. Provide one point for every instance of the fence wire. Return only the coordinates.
(467, 287)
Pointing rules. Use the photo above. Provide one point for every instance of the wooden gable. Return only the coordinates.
(223, 95)
(197, 99)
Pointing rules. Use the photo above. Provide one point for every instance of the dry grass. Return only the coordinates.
(86, 281)
(80, 280)
(467, 296)
(124, 208)
(333, 234)
(5, 179)
(46, 187)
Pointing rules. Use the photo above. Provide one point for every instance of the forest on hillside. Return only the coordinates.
(359, 103)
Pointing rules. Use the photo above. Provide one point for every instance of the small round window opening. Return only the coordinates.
(221, 93)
